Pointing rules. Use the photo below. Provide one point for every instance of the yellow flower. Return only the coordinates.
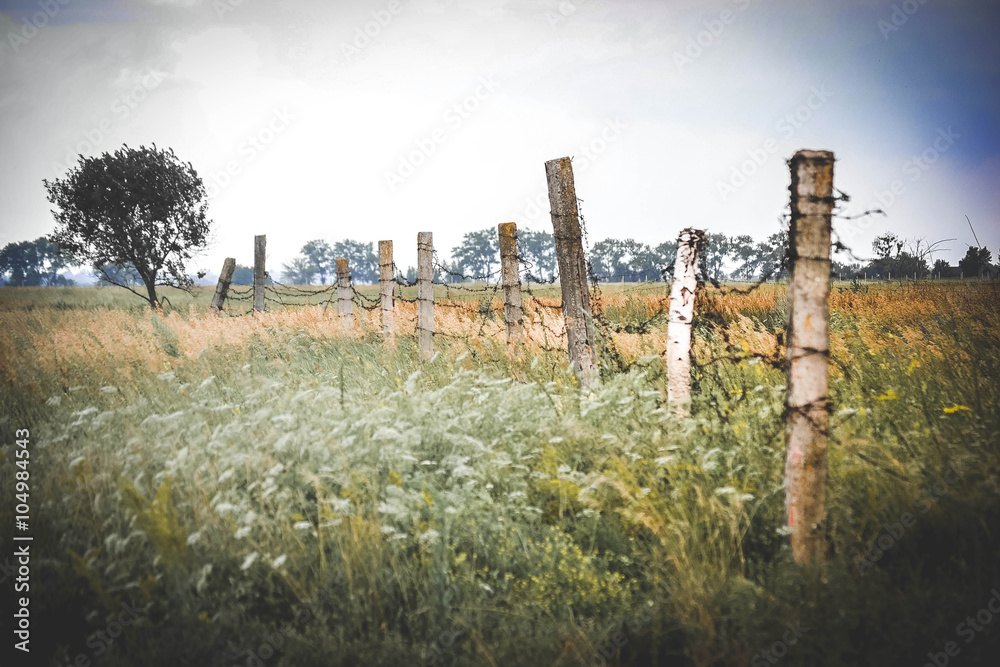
(956, 408)
(888, 396)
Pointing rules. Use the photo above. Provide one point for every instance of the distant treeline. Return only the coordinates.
(477, 257)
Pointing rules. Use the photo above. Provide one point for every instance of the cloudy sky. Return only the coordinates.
(376, 119)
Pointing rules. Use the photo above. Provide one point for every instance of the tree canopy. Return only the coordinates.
(140, 208)
(33, 264)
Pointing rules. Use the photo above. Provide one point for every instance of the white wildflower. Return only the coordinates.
(249, 560)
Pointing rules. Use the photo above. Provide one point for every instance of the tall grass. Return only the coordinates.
(285, 481)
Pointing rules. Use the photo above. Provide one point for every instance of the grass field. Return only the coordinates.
(283, 490)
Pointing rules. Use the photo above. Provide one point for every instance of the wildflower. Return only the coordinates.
(956, 408)
(249, 560)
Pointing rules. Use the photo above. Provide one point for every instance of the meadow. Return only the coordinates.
(287, 490)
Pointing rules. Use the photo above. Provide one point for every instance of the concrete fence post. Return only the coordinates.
(576, 306)
(808, 351)
(690, 243)
(386, 281)
(222, 288)
(425, 294)
(259, 273)
(345, 293)
(510, 276)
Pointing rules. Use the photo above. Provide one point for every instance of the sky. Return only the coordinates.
(378, 119)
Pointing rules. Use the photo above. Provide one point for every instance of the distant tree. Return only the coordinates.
(33, 263)
(942, 269)
(716, 250)
(771, 256)
(976, 263)
(538, 254)
(142, 207)
(319, 256)
(110, 274)
(663, 257)
(614, 260)
(300, 271)
(360, 257)
(478, 255)
(743, 252)
(242, 275)
(894, 255)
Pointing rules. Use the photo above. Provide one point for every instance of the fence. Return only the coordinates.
(584, 325)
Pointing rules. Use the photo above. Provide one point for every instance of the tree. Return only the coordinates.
(361, 257)
(299, 271)
(33, 263)
(109, 274)
(537, 252)
(942, 269)
(664, 256)
(142, 207)
(242, 275)
(477, 254)
(742, 250)
(614, 260)
(771, 256)
(976, 262)
(319, 255)
(714, 254)
(891, 258)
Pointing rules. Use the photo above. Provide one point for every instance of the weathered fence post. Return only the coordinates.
(345, 293)
(222, 289)
(510, 276)
(572, 270)
(386, 281)
(682, 292)
(259, 247)
(808, 351)
(425, 294)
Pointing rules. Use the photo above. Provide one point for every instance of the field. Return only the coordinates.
(284, 490)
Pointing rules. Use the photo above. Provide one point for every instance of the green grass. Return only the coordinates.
(444, 513)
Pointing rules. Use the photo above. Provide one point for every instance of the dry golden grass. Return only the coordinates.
(116, 343)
